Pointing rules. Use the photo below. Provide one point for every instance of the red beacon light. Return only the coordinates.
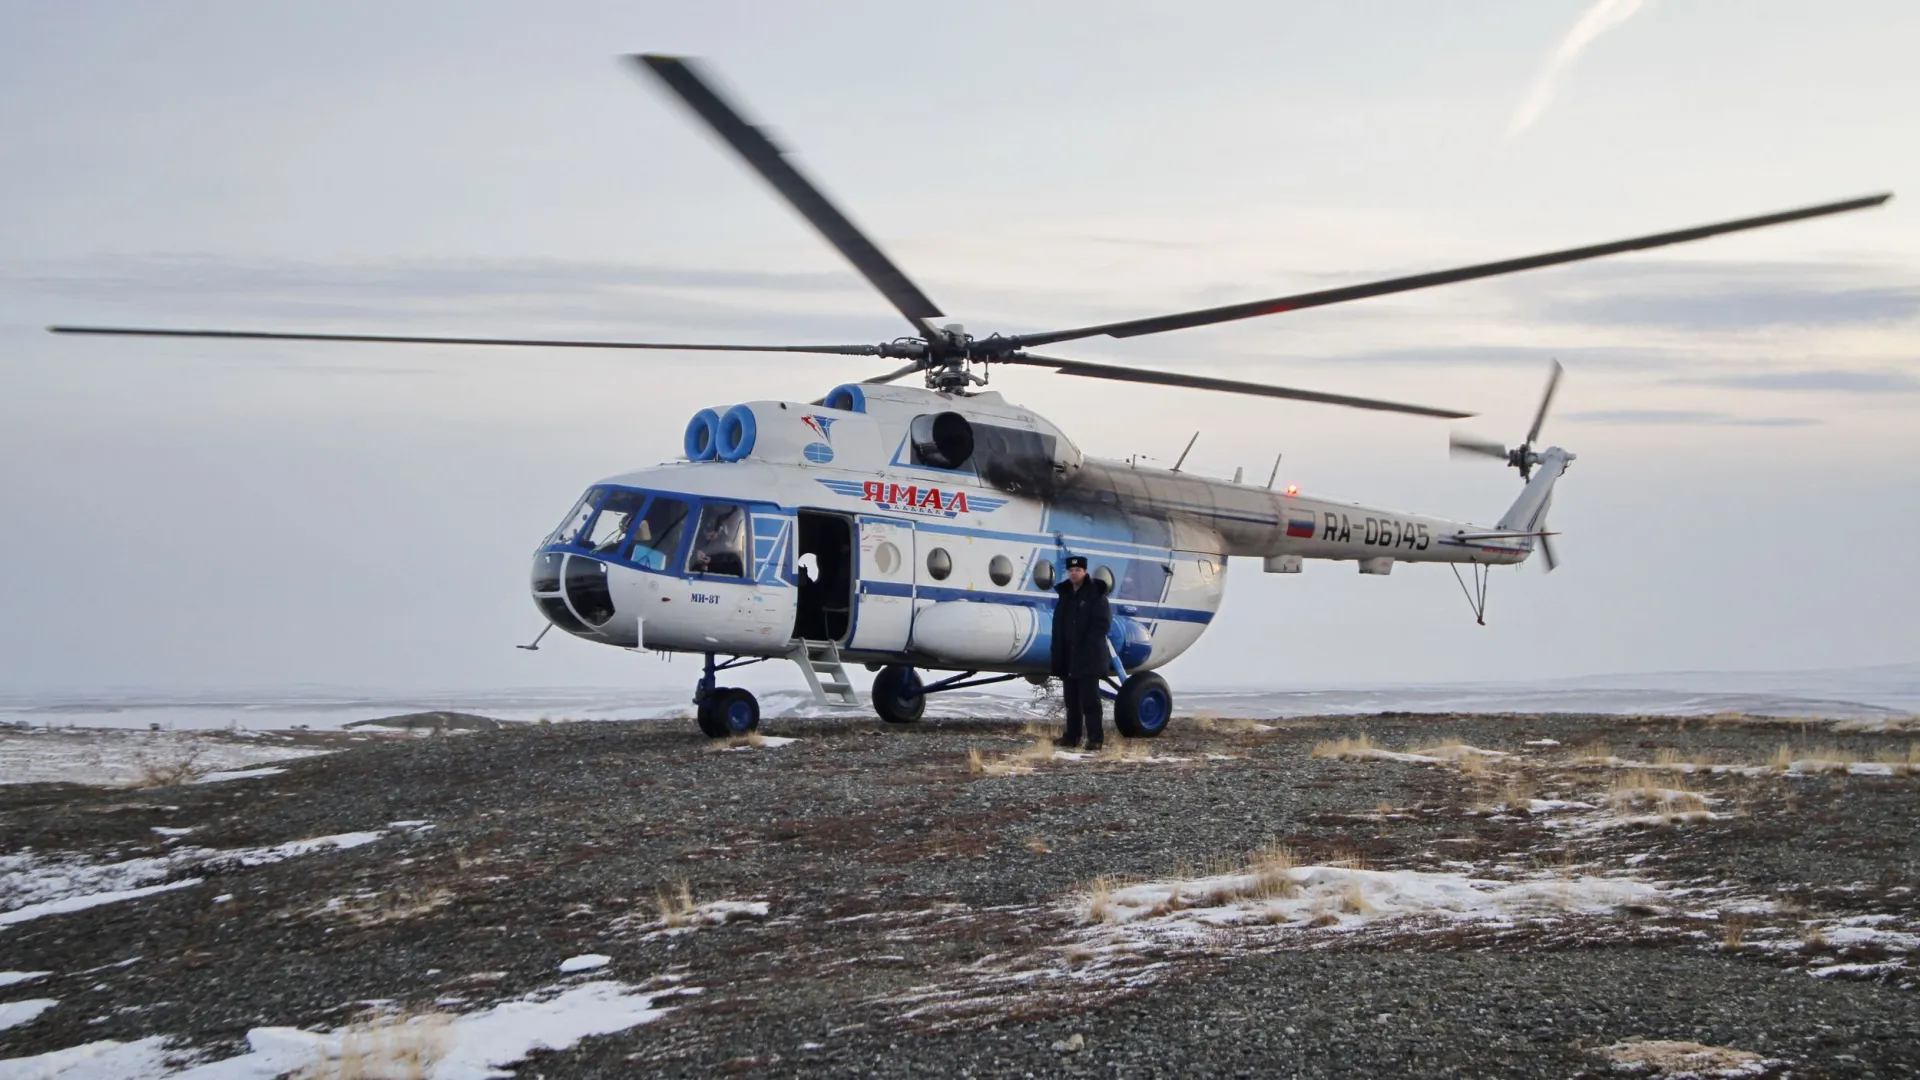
(1293, 489)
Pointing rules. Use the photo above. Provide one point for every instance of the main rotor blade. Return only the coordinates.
(1462, 445)
(1207, 382)
(899, 373)
(1546, 399)
(684, 79)
(1209, 316)
(407, 339)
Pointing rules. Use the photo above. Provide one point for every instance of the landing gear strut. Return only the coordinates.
(725, 711)
(900, 697)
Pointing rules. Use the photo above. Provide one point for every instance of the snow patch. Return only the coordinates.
(32, 886)
(108, 1059)
(15, 1013)
(8, 978)
(586, 962)
(80, 903)
(289, 850)
(765, 742)
(238, 774)
(1341, 898)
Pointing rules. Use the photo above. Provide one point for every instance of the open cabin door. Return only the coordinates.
(824, 574)
(883, 614)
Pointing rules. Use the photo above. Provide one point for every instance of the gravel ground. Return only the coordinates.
(922, 917)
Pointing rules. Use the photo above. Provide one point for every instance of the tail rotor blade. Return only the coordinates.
(1546, 400)
(1547, 557)
(1465, 446)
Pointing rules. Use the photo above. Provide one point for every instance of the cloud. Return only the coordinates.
(1603, 16)
(1735, 309)
(1685, 416)
(533, 298)
(1845, 382)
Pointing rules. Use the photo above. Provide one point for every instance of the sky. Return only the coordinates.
(184, 515)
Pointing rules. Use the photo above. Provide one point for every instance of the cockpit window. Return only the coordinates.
(576, 518)
(658, 533)
(720, 547)
(616, 518)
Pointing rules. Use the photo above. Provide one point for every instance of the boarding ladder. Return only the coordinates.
(826, 676)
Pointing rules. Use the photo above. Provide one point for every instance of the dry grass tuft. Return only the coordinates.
(751, 738)
(1518, 791)
(1100, 900)
(1353, 901)
(389, 906)
(1641, 790)
(400, 1046)
(1598, 751)
(1214, 724)
(976, 761)
(1813, 937)
(1079, 953)
(1345, 749)
(1271, 868)
(676, 904)
(1347, 858)
(1038, 846)
(1471, 764)
(1733, 931)
(173, 772)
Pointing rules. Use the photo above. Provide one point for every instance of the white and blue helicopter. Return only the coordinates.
(924, 530)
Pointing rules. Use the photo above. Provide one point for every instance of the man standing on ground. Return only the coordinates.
(1081, 620)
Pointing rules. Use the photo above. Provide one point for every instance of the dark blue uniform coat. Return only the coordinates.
(1081, 619)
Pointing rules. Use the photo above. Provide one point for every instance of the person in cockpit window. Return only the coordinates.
(718, 549)
(1081, 619)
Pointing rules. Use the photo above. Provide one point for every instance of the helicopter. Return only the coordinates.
(924, 529)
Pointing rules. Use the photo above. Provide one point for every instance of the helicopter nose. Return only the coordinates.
(575, 593)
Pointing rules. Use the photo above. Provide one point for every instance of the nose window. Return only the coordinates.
(615, 519)
(720, 547)
(578, 517)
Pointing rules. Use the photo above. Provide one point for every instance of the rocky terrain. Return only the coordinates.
(1391, 895)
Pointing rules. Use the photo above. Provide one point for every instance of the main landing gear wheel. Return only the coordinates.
(1143, 706)
(728, 711)
(898, 695)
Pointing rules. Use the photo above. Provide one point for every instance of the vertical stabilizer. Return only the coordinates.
(1529, 512)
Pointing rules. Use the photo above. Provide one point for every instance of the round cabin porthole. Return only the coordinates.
(1104, 576)
(939, 564)
(1043, 575)
(886, 557)
(1000, 569)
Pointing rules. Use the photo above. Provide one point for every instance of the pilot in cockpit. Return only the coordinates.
(717, 551)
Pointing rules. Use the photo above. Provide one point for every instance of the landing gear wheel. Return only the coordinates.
(1143, 706)
(728, 711)
(898, 695)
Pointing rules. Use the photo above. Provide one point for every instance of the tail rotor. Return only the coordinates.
(1524, 458)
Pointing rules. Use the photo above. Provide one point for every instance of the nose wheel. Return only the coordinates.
(724, 711)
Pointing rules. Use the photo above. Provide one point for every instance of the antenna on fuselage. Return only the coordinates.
(1183, 453)
(535, 647)
(1275, 474)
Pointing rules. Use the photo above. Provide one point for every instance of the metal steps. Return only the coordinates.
(826, 676)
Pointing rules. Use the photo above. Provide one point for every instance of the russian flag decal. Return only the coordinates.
(1300, 524)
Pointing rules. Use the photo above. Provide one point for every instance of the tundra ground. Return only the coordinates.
(1488, 895)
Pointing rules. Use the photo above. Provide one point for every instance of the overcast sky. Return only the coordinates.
(202, 514)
